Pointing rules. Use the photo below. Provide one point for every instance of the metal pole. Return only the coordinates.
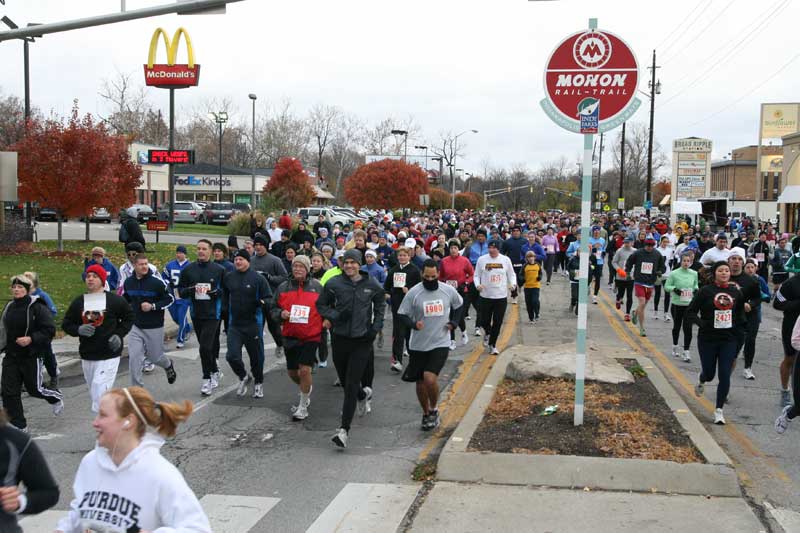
(27, 68)
(650, 136)
(733, 197)
(622, 168)
(453, 177)
(253, 178)
(220, 159)
(600, 169)
(171, 171)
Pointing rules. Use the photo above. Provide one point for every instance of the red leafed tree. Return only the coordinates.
(387, 183)
(468, 200)
(660, 190)
(75, 166)
(440, 198)
(290, 184)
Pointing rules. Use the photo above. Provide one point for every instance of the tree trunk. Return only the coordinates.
(87, 230)
(60, 245)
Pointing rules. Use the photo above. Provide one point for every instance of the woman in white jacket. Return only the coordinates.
(124, 485)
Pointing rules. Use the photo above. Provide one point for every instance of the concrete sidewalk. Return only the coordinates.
(507, 504)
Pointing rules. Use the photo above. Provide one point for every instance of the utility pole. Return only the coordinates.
(654, 89)
(600, 167)
(622, 168)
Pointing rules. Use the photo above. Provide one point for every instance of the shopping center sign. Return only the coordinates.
(590, 82)
(170, 75)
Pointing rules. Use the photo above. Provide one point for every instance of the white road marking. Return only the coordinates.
(366, 507)
(43, 522)
(235, 514)
(49, 436)
(788, 520)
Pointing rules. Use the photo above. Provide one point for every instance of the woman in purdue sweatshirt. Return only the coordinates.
(124, 484)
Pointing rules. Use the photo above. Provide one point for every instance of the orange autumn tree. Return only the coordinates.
(74, 167)
(440, 198)
(387, 183)
(290, 184)
(468, 200)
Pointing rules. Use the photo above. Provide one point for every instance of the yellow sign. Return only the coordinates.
(172, 47)
(606, 207)
(778, 120)
(171, 75)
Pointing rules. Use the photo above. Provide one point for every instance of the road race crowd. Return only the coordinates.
(323, 290)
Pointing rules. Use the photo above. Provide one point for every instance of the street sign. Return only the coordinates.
(648, 204)
(620, 203)
(170, 75)
(174, 157)
(590, 82)
(424, 199)
(606, 207)
(602, 196)
(157, 225)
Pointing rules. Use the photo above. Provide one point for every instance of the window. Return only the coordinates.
(776, 186)
(184, 196)
(764, 184)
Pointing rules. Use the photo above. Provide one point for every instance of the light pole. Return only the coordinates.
(253, 97)
(655, 88)
(220, 118)
(453, 178)
(441, 166)
(423, 147)
(468, 180)
(404, 133)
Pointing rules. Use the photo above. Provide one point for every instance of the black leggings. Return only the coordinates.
(548, 266)
(561, 260)
(679, 320)
(351, 358)
(597, 275)
(492, 312)
(400, 336)
(715, 353)
(795, 410)
(750, 334)
(532, 302)
(462, 322)
(612, 272)
(625, 289)
(657, 298)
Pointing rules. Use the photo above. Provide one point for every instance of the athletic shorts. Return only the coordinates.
(302, 354)
(640, 291)
(421, 362)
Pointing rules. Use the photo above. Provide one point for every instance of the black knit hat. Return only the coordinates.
(243, 254)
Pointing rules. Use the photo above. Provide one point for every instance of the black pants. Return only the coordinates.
(715, 354)
(250, 338)
(657, 298)
(351, 358)
(612, 272)
(462, 322)
(750, 334)
(492, 312)
(561, 260)
(50, 361)
(625, 289)
(597, 275)
(679, 321)
(207, 336)
(573, 294)
(548, 266)
(322, 351)
(795, 410)
(532, 302)
(400, 337)
(16, 372)
(475, 301)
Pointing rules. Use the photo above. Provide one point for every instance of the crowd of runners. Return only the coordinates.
(322, 289)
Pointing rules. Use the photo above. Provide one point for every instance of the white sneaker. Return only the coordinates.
(258, 390)
(514, 301)
(452, 345)
(719, 418)
(486, 340)
(216, 379)
(782, 422)
(58, 408)
(676, 351)
(495, 351)
(464, 338)
(748, 374)
(148, 367)
(243, 383)
(300, 412)
(687, 357)
(667, 318)
(179, 345)
(340, 438)
(279, 352)
(397, 366)
(364, 406)
(323, 364)
(699, 388)
(206, 387)
(594, 300)
(477, 332)
(655, 316)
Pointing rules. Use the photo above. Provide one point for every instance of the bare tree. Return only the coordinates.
(636, 138)
(281, 133)
(127, 101)
(344, 154)
(322, 120)
(12, 120)
(379, 140)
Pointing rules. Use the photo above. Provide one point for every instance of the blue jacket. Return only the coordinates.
(375, 271)
(476, 250)
(245, 294)
(513, 249)
(47, 300)
(598, 244)
(152, 289)
(227, 265)
(573, 247)
(537, 249)
(111, 272)
(172, 273)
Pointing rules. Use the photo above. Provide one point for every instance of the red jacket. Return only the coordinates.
(285, 222)
(300, 300)
(458, 269)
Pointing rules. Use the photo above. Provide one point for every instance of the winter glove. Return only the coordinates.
(114, 343)
(86, 330)
(371, 334)
(676, 291)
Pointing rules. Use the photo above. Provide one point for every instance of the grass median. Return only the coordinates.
(200, 229)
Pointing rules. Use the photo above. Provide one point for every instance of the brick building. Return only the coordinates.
(735, 176)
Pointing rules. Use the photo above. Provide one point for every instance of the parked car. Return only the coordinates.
(218, 213)
(47, 213)
(141, 212)
(310, 215)
(99, 214)
(241, 208)
(202, 205)
(188, 212)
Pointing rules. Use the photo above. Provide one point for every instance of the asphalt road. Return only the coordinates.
(110, 232)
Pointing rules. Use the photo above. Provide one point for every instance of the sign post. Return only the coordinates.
(590, 85)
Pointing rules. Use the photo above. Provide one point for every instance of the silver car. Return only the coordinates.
(188, 212)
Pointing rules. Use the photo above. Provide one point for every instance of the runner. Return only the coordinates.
(456, 271)
(719, 252)
(179, 310)
(682, 282)
(751, 292)
(495, 278)
(399, 280)
(126, 270)
(477, 249)
(431, 310)
(148, 296)
(49, 358)
(648, 266)
(530, 279)
(296, 307)
(26, 327)
(751, 267)
(98, 257)
(375, 270)
(717, 308)
(100, 319)
(792, 409)
(125, 484)
(354, 304)
(665, 249)
(597, 246)
(273, 269)
(623, 282)
(201, 284)
(550, 245)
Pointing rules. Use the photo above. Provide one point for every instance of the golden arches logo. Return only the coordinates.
(170, 75)
(172, 47)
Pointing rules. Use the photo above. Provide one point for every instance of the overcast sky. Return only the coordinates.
(452, 64)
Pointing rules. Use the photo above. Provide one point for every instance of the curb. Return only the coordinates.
(717, 478)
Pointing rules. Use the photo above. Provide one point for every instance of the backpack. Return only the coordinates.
(124, 236)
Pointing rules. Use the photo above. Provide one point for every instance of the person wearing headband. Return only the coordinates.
(125, 484)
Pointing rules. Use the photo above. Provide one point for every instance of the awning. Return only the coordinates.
(322, 194)
(687, 208)
(665, 200)
(790, 195)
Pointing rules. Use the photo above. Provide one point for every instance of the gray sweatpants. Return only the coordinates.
(145, 343)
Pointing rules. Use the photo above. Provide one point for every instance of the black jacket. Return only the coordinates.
(245, 296)
(354, 308)
(787, 299)
(37, 324)
(413, 276)
(134, 231)
(151, 289)
(642, 257)
(203, 272)
(116, 319)
(706, 302)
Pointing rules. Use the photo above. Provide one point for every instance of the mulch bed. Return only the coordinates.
(629, 420)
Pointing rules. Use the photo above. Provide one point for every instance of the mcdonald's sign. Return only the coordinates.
(170, 75)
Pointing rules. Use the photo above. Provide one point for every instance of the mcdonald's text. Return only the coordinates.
(171, 76)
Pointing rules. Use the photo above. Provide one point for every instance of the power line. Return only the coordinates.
(676, 28)
(703, 31)
(688, 27)
(748, 93)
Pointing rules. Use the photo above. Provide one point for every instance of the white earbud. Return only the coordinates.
(126, 424)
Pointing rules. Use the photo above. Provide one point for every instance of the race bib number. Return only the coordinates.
(760, 258)
(549, 249)
(496, 280)
(686, 295)
(453, 283)
(299, 314)
(399, 280)
(723, 319)
(433, 308)
(647, 268)
(201, 291)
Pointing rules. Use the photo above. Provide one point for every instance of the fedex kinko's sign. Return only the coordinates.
(170, 75)
(590, 82)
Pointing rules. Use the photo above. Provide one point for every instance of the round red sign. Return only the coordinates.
(590, 79)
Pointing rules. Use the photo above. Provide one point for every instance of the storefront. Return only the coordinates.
(154, 188)
(201, 183)
(789, 200)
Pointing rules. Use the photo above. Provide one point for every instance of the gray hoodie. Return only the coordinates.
(620, 257)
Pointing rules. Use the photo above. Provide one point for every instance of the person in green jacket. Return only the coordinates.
(682, 283)
(793, 264)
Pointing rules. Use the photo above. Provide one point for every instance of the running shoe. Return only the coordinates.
(464, 338)
(433, 417)
(365, 406)
(216, 379)
(676, 352)
(279, 352)
(148, 367)
(627, 317)
(786, 398)
(58, 407)
(594, 300)
(548, 283)
(397, 366)
(258, 390)
(380, 340)
(699, 388)
(426, 423)
(748, 374)
(452, 345)
(687, 357)
(337, 383)
(719, 418)
(243, 383)
(514, 301)
(171, 374)
(495, 351)
(531, 321)
(467, 317)
(572, 308)
(340, 439)
(618, 304)
(667, 318)
(642, 332)
(206, 387)
(323, 364)
(300, 412)
(486, 340)
(782, 422)
(655, 315)
(634, 318)
(179, 345)
(477, 332)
